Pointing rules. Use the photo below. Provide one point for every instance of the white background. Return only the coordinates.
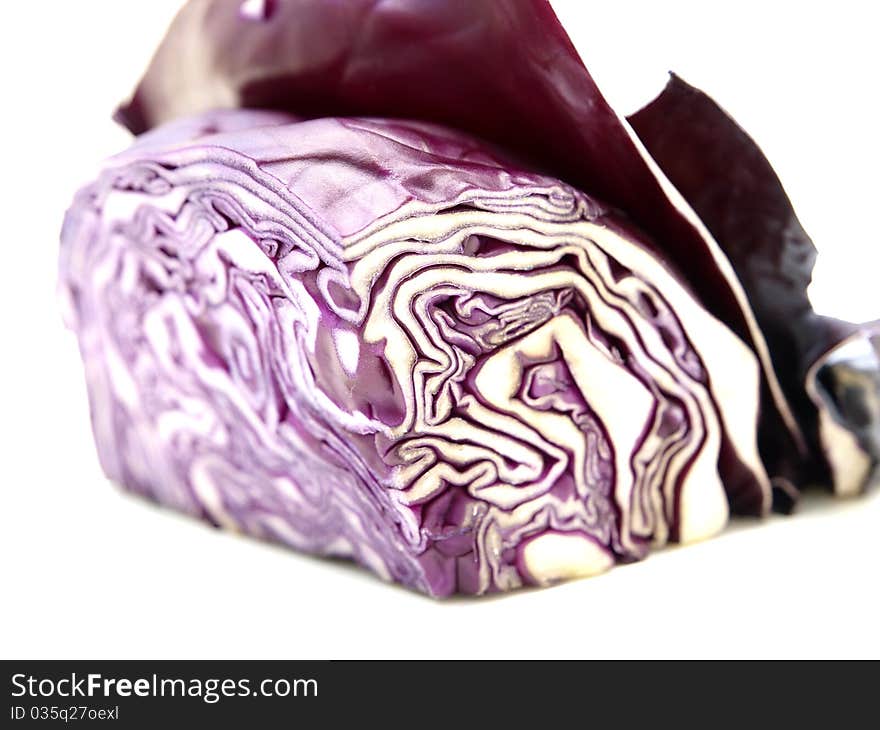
(88, 572)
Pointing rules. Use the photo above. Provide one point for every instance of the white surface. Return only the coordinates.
(88, 572)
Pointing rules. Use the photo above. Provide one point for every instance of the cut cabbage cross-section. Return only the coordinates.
(464, 376)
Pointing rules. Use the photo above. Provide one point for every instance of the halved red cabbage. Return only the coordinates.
(429, 351)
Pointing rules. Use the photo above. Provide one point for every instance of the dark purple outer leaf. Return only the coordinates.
(728, 181)
(504, 70)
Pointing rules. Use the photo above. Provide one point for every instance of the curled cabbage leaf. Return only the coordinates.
(827, 368)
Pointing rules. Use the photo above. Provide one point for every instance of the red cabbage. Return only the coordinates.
(491, 347)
